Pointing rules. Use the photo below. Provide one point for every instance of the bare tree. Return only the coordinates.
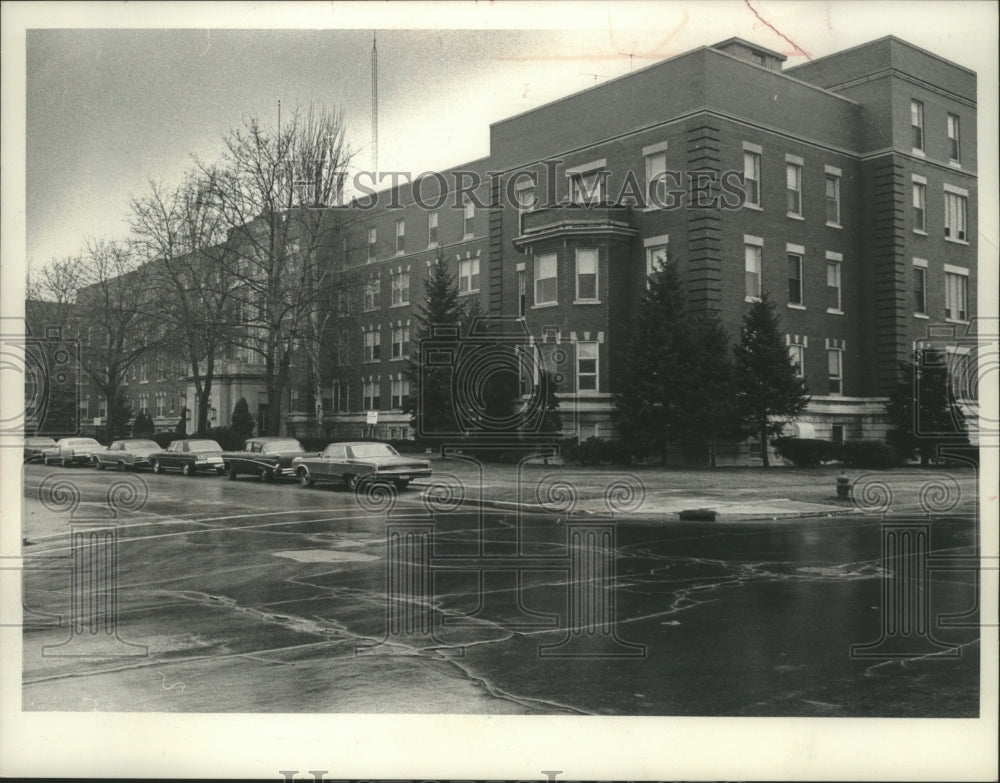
(184, 233)
(50, 295)
(274, 189)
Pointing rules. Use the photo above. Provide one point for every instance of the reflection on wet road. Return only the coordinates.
(246, 597)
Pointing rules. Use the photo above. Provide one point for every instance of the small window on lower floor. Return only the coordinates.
(836, 372)
(586, 357)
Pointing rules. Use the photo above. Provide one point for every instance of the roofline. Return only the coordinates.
(750, 45)
(895, 38)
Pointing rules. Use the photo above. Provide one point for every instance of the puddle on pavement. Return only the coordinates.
(323, 555)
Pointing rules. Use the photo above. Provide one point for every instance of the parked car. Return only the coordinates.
(35, 448)
(127, 454)
(72, 451)
(353, 463)
(188, 456)
(267, 458)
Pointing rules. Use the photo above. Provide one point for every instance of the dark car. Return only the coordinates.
(126, 454)
(34, 448)
(188, 456)
(356, 462)
(267, 458)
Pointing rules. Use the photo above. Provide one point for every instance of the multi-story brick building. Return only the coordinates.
(845, 188)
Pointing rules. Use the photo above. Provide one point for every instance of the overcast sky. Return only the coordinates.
(107, 109)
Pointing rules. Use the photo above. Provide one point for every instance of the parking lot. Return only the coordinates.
(245, 596)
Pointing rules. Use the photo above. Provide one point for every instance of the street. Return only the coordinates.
(268, 597)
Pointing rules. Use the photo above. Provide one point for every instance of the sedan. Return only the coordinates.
(72, 451)
(127, 454)
(354, 463)
(264, 457)
(188, 456)
(35, 448)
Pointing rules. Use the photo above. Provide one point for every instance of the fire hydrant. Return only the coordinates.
(843, 486)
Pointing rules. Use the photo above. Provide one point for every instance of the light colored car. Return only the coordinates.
(353, 463)
(189, 456)
(72, 451)
(265, 457)
(35, 448)
(126, 454)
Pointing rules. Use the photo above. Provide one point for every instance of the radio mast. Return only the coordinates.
(374, 108)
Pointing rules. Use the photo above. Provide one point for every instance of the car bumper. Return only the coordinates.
(400, 474)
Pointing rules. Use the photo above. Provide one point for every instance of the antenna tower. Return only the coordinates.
(374, 107)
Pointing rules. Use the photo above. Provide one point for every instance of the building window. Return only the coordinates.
(468, 276)
(545, 279)
(753, 257)
(400, 391)
(341, 396)
(751, 175)
(955, 205)
(470, 214)
(400, 288)
(833, 291)
(432, 229)
(373, 345)
(372, 242)
(400, 341)
(920, 206)
(956, 294)
(832, 199)
(793, 188)
(370, 394)
(797, 354)
(522, 292)
(917, 125)
(835, 370)
(795, 278)
(586, 367)
(954, 136)
(525, 195)
(587, 187)
(372, 288)
(586, 274)
(143, 373)
(656, 169)
(173, 404)
(161, 370)
(657, 256)
(161, 404)
(837, 434)
(920, 289)
(400, 237)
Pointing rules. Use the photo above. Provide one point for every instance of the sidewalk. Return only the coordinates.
(656, 493)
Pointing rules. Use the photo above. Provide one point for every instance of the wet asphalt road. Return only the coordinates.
(251, 597)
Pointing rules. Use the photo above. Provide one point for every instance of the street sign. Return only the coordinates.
(372, 419)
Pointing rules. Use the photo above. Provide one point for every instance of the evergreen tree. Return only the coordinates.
(656, 363)
(181, 428)
(768, 393)
(143, 425)
(121, 413)
(242, 423)
(922, 413)
(430, 402)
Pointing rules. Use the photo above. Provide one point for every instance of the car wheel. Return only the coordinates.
(305, 479)
(66, 462)
(121, 466)
(401, 484)
(265, 474)
(232, 472)
(98, 464)
(188, 469)
(156, 466)
(352, 481)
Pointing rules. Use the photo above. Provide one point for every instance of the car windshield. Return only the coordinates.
(142, 444)
(282, 445)
(373, 450)
(82, 442)
(204, 445)
(39, 442)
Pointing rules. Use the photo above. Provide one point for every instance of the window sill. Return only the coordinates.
(922, 316)
(955, 164)
(586, 301)
(793, 306)
(794, 216)
(754, 207)
(833, 225)
(919, 152)
(401, 304)
(466, 237)
(432, 245)
(834, 311)
(751, 298)
(544, 305)
(956, 320)
(957, 241)
(468, 293)
(918, 232)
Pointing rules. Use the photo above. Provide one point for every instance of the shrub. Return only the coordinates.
(225, 437)
(597, 451)
(804, 452)
(875, 454)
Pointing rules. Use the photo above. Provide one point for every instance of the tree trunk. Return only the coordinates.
(109, 427)
(763, 444)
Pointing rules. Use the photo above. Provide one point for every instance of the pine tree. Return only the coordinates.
(430, 402)
(242, 423)
(655, 364)
(768, 392)
(121, 413)
(922, 413)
